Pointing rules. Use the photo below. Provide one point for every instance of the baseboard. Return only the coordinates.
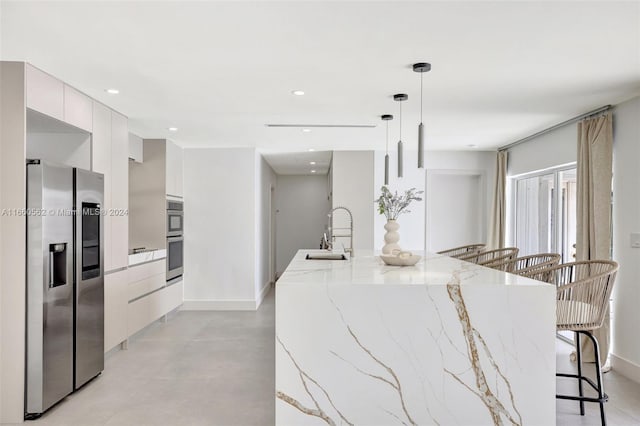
(219, 305)
(625, 367)
(262, 294)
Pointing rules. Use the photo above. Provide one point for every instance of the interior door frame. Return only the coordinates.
(430, 173)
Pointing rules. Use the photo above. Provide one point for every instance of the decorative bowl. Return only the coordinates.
(404, 258)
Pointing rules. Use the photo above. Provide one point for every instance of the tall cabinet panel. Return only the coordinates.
(101, 163)
(174, 169)
(119, 190)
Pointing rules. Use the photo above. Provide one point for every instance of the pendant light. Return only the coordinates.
(421, 67)
(386, 118)
(400, 97)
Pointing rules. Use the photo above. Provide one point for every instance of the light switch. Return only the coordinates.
(635, 239)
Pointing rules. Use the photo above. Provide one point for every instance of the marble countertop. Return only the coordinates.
(366, 268)
(147, 256)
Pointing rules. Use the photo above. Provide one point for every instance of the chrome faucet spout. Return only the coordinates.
(350, 228)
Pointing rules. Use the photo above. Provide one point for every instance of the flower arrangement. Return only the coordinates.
(391, 205)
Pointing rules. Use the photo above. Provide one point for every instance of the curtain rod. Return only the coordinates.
(557, 126)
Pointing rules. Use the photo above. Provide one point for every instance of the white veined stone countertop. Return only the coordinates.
(366, 268)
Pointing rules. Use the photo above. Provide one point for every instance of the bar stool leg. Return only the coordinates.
(596, 348)
(579, 354)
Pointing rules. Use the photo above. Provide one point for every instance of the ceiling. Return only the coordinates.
(221, 71)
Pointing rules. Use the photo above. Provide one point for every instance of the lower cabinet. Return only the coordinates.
(136, 297)
(116, 301)
(147, 309)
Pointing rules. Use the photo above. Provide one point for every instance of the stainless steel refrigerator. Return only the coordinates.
(65, 282)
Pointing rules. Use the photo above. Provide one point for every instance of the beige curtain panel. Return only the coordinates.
(593, 237)
(498, 225)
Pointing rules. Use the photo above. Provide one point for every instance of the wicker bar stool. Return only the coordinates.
(490, 256)
(526, 265)
(583, 290)
(463, 251)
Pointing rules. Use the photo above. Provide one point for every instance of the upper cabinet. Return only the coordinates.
(135, 148)
(78, 109)
(174, 169)
(45, 93)
(50, 96)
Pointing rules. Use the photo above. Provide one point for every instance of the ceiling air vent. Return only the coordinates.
(335, 126)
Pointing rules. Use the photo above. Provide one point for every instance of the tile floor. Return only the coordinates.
(217, 368)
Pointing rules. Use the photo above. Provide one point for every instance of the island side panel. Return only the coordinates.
(418, 354)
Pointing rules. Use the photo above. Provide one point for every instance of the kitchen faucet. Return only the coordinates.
(350, 229)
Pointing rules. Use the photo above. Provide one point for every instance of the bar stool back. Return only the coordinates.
(490, 256)
(463, 250)
(526, 265)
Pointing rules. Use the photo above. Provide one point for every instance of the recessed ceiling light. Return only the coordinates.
(173, 129)
(306, 130)
(313, 163)
(311, 149)
(298, 92)
(313, 171)
(112, 91)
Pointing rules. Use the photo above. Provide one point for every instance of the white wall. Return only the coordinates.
(265, 182)
(626, 219)
(302, 203)
(353, 174)
(220, 224)
(412, 225)
(552, 149)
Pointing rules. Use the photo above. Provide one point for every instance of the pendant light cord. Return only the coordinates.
(421, 75)
(387, 136)
(400, 119)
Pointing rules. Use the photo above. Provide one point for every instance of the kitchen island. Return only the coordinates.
(444, 342)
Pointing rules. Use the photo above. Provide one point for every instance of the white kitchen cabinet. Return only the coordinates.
(174, 169)
(148, 309)
(78, 109)
(45, 93)
(146, 278)
(135, 148)
(119, 191)
(116, 303)
(101, 163)
(110, 157)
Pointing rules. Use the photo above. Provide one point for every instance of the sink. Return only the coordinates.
(326, 256)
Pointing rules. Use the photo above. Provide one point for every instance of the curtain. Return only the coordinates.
(593, 237)
(499, 209)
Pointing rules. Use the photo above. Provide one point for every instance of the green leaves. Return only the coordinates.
(392, 205)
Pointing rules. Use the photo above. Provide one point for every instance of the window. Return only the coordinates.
(543, 218)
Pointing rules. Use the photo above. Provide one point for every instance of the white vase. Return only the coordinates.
(392, 236)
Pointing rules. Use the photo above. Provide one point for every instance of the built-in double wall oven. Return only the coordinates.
(175, 239)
